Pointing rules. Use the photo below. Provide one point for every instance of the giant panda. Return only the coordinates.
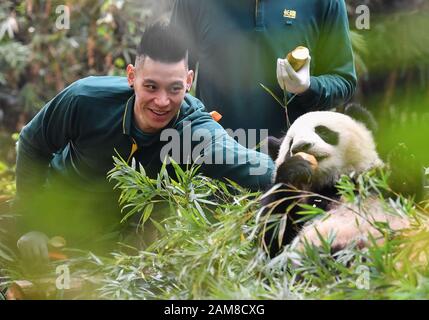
(343, 144)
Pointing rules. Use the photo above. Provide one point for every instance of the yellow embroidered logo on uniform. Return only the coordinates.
(289, 14)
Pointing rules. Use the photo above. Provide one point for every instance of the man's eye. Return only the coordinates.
(176, 89)
(150, 87)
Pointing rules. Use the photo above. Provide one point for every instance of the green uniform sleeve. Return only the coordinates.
(47, 133)
(334, 82)
(221, 156)
(249, 168)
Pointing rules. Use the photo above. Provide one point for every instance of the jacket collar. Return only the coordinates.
(128, 116)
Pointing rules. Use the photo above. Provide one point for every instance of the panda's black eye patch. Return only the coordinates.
(327, 135)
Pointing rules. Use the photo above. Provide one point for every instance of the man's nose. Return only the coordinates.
(162, 99)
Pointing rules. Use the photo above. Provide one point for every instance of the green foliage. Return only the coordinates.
(14, 57)
(209, 247)
(7, 191)
(7, 180)
(223, 259)
(7, 169)
(38, 58)
(209, 232)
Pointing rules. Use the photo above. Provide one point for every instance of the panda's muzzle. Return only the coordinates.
(302, 147)
(305, 148)
(320, 157)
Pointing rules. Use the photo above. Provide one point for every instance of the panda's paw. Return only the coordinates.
(295, 171)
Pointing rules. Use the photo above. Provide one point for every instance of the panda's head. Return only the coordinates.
(341, 144)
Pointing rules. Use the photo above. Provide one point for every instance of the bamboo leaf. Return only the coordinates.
(147, 212)
(279, 101)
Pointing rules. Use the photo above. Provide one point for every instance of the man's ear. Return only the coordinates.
(189, 80)
(131, 75)
(274, 147)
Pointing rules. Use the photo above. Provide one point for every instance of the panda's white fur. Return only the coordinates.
(352, 224)
(356, 153)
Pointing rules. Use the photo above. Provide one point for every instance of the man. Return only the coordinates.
(69, 145)
(238, 43)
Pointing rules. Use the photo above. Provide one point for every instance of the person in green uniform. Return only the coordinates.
(241, 44)
(66, 150)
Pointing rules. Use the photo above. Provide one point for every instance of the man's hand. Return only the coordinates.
(292, 81)
(34, 246)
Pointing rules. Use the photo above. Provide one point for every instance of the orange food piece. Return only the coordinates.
(55, 255)
(216, 116)
(310, 158)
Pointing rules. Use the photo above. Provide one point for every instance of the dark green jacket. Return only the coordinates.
(71, 141)
(237, 43)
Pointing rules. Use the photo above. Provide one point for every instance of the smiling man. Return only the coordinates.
(159, 85)
(65, 152)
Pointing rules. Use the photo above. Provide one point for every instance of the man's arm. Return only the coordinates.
(335, 80)
(223, 157)
(250, 169)
(48, 132)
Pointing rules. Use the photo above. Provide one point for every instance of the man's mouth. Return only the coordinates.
(159, 113)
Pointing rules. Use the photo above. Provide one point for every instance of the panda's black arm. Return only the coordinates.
(287, 200)
(294, 174)
(295, 177)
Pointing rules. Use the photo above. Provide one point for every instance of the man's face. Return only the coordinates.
(160, 89)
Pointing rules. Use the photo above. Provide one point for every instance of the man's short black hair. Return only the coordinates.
(163, 43)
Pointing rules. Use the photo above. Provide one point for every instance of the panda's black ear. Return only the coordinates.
(274, 147)
(360, 114)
